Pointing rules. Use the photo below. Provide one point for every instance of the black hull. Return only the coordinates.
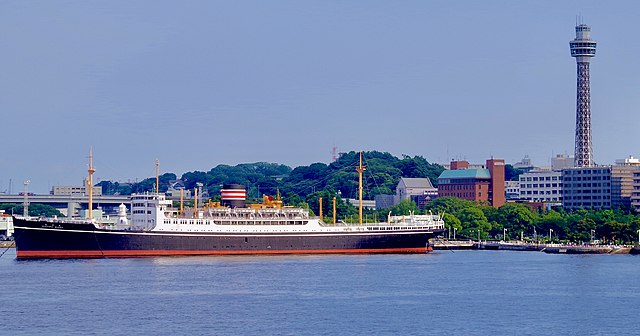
(39, 239)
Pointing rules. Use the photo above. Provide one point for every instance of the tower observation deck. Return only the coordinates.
(583, 48)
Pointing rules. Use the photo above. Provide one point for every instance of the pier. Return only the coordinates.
(525, 246)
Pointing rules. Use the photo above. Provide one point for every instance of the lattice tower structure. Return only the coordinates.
(583, 48)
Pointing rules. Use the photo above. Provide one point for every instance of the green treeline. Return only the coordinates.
(381, 177)
(34, 209)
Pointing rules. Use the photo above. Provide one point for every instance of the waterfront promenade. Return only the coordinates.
(524, 246)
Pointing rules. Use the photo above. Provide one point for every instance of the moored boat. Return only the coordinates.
(156, 228)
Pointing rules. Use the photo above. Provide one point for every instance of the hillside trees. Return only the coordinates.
(34, 209)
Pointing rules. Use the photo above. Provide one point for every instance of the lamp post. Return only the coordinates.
(550, 230)
(638, 237)
(504, 234)
(454, 233)
(592, 232)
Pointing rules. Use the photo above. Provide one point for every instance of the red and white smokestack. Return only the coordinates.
(233, 195)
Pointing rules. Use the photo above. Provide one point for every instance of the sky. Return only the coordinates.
(196, 84)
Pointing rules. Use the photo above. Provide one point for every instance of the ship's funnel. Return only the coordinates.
(233, 195)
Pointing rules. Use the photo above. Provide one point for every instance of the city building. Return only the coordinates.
(367, 204)
(524, 164)
(541, 186)
(629, 161)
(412, 188)
(586, 187)
(173, 192)
(420, 190)
(384, 201)
(561, 161)
(466, 164)
(635, 183)
(622, 185)
(74, 190)
(512, 190)
(635, 194)
(483, 185)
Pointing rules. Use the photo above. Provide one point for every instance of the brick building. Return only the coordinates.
(484, 185)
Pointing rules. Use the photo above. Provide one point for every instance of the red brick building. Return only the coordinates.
(483, 185)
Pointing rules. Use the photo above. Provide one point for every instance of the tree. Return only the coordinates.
(516, 217)
(451, 221)
(403, 208)
(449, 205)
(551, 220)
(511, 173)
(35, 209)
(473, 219)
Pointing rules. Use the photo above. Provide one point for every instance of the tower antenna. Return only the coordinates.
(583, 48)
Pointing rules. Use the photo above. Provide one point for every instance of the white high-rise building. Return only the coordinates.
(541, 186)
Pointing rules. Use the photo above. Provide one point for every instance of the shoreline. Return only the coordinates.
(522, 246)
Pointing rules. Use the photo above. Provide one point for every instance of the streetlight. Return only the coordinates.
(504, 234)
(592, 232)
(550, 230)
(454, 233)
(638, 237)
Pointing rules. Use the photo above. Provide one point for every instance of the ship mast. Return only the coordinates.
(360, 168)
(195, 202)
(90, 182)
(181, 201)
(157, 177)
(334, 211)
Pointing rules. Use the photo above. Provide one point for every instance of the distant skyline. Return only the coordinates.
(200, 83)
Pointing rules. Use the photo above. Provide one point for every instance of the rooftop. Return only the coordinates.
(480, 173)
(416, 182)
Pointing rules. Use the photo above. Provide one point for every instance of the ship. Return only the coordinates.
(155, 227)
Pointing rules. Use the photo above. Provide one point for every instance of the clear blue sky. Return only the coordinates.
(201, 83)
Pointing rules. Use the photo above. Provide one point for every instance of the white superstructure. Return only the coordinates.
(6, 224)
(153, 212)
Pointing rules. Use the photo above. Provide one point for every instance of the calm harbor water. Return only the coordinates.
(461, 293)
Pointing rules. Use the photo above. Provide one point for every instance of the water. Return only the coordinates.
(461, 293)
